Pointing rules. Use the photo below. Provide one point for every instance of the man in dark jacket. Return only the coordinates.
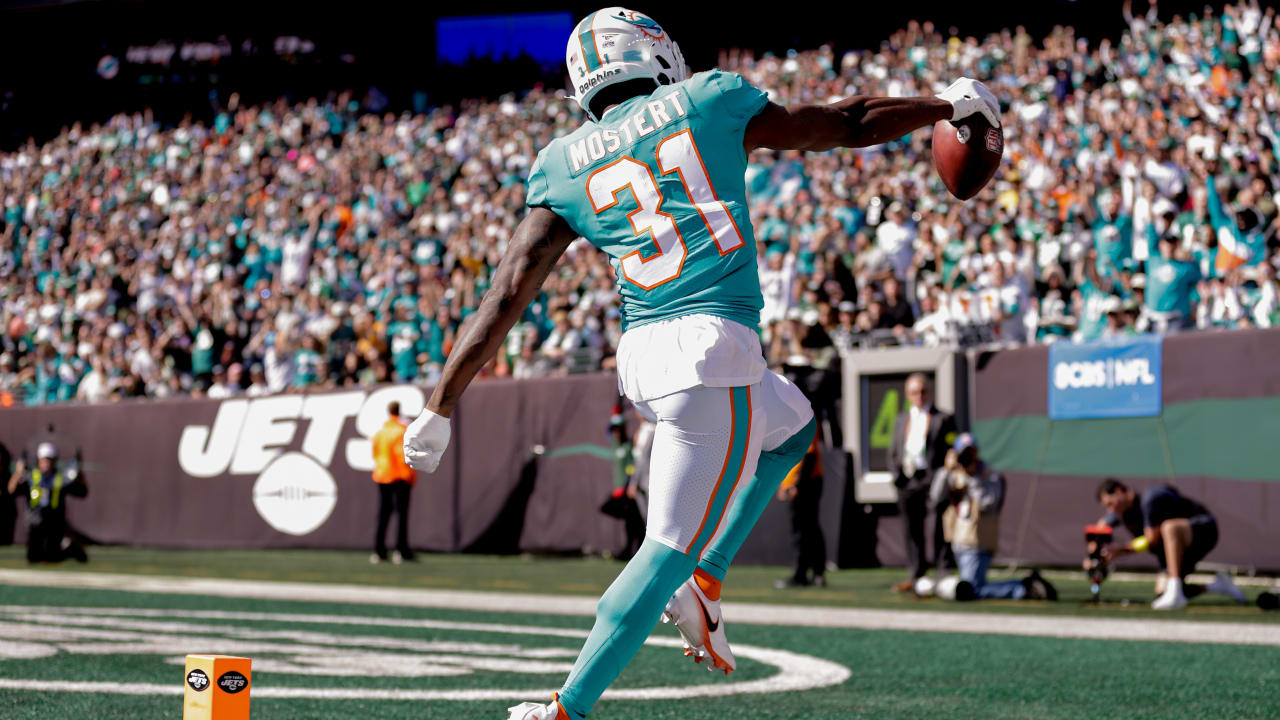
(921, 438)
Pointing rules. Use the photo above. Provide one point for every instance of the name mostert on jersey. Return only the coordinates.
(603, 143)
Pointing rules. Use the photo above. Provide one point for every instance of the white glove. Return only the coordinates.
(968, 97)
(425, 440)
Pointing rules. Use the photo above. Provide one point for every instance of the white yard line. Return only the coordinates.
(169, 632)
(789, 615)
(310, 693)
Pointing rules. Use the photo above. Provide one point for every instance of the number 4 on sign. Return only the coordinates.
(886, 416)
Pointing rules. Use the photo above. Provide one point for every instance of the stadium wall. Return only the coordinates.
(1215, 438)
(527, 470)
(293, 470)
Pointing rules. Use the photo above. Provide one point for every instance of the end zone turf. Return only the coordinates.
(406, 653)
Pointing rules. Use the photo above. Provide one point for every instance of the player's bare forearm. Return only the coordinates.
(538, 242)
(853, 122)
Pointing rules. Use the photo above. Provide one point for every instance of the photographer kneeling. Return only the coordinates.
(971, 523)
(1179, 531)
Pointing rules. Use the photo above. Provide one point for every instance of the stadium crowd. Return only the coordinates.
(310, 245)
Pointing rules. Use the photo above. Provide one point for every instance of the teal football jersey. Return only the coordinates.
(659, 185)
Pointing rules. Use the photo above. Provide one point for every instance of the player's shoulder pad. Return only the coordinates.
(727, 93)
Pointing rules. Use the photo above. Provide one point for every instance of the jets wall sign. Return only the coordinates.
(294, 490)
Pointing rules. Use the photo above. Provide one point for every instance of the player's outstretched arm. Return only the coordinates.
(538, 242)
(865, 120)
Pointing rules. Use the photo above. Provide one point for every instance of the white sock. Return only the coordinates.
(1173, 587)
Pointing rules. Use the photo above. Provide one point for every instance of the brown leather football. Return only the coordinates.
(966, 153)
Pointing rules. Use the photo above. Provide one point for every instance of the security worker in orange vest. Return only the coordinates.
(395, 479)
(46, 488)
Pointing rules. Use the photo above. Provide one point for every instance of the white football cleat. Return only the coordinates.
(1172, 598)
(533, 711)
(701, 625)
(1222, 584)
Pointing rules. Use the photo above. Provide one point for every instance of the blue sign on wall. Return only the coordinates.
(504, 37)
(1106, 379)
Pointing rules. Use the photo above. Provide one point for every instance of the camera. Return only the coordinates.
(1097, 537)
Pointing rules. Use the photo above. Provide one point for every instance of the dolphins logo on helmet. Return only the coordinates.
(614, 45)
(642, 21)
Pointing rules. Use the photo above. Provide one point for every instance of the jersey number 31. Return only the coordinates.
(675, 154)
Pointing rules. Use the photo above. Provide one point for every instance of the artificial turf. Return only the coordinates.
(894, 674)
(589, 576)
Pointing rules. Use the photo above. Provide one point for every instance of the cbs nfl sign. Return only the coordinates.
(1107, 379)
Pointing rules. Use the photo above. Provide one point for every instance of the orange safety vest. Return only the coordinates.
(388, 454)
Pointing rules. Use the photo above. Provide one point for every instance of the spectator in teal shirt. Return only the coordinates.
(852, 219)
(1113, 238)
(1239, 233)
(774, 228)
(47, 378)
(256, 263)
(306, 362)
(70, 371)
(1172, 275)
(439, 332)
(407, 343)
(202, 351)
(1096, 293)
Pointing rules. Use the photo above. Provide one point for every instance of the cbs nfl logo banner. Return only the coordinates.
(1105, 379)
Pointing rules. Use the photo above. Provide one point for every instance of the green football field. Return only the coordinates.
(466, 636)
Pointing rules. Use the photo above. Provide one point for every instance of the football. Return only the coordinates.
(966, 153)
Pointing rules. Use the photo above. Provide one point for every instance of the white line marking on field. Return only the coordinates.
(298, 693)
(794, 671)
(788, 615)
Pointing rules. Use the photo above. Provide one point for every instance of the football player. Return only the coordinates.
(655, 179)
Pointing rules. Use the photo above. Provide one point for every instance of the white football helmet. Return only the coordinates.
(613, 45)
